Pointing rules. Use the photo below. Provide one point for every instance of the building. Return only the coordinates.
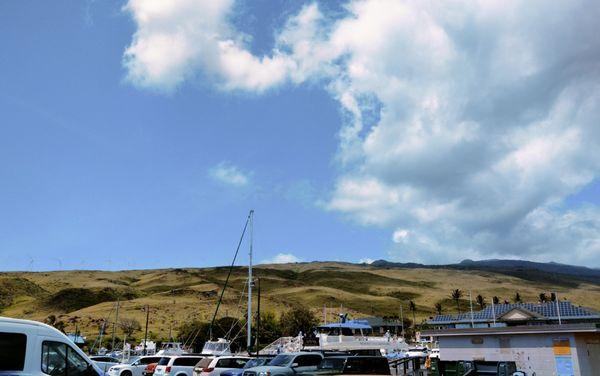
(567, 349)
(554, 338)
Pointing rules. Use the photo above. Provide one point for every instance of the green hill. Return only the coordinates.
(176, 296)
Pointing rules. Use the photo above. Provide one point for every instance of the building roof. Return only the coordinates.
(543, 311)
(350, 324)
(508, 330)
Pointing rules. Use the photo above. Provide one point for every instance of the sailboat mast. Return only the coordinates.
(249, 329)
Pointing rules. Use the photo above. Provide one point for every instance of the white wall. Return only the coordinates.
(531, 352)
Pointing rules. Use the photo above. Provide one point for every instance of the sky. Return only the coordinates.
(138, 134)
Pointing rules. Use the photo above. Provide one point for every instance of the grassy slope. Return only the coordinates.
(177, 295)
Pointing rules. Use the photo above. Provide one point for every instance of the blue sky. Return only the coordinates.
(139, 134)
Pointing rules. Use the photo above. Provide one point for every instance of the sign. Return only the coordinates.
(564, 366)
(561, 346)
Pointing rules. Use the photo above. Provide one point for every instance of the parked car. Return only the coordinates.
(417, 352)
(150, 368)
(474, 367)
(105, 362)
(34, 349)
(287, 365)
(254, 362)
(134, 368)
(214, 366)
(353, 365)
(180, 365)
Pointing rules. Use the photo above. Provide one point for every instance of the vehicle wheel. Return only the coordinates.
(125, 373)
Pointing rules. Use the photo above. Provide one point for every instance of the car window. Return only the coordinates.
(163, 361)
(58, 359)
(188, 361)
(77, 366)
(204, 362)
(231, 363)
(281, 360)
(332, 364)
(367, 366)
(54, 358)
(12, 351)
(146, 361)
(307, 360)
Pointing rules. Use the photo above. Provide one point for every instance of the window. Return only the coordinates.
(332, 364)
(58, 359)
(308, 360)
(281, 360)
(367, 366)
(164, 361)
(231, 363)
(204, 363)
(149, 360)
(188, 361)
(13, 347)
(77, 365)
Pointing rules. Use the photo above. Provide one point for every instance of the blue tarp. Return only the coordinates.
(352, 324)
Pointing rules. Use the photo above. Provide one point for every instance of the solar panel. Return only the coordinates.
(547, 310)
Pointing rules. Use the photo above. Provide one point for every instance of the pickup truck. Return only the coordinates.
(30, 348)
(353, 365)
(288, 364)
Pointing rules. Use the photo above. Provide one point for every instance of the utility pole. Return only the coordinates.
(493, 312)
(115, 327)
(402, 320)
(249, 329)
(558, 309)
(146, 333)
(471, 304)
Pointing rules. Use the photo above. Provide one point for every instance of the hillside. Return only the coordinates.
(179, 295)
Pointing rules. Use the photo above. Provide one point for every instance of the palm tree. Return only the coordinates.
(517, 297)
(496, 300)
(543, 297)
(481, 301)
(438, 308)
(456, 295)
(413, 308)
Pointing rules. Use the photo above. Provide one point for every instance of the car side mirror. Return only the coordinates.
(294, 365)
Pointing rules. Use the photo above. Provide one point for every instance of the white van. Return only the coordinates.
(35, 349)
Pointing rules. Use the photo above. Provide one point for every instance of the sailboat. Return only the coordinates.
(222, 346)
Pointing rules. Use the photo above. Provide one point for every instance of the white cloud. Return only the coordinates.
(229, 174)
(400, 235)
(486, 121)
(282, 258)
(366, 261)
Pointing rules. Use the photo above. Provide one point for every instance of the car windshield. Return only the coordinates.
(256, 362)
(281, 360)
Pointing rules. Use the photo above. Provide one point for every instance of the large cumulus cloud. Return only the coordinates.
(466, 124)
